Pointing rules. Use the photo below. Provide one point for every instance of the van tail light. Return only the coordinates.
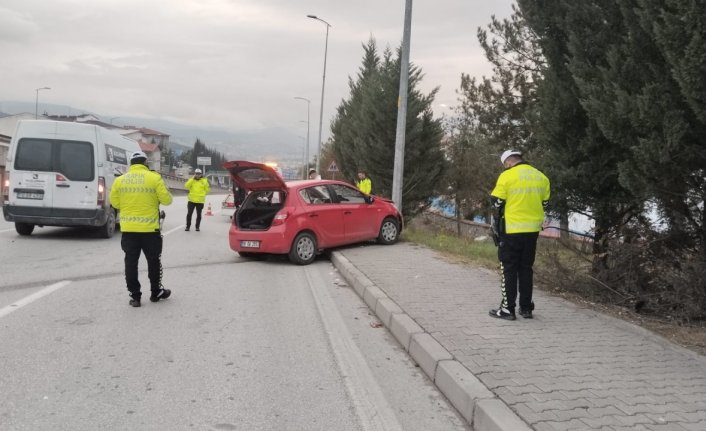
(280, 218)
(6, 188)
(101, 191)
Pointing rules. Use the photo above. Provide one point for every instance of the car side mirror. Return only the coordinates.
(369, 199)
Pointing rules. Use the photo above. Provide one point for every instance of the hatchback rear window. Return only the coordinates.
(72, 159)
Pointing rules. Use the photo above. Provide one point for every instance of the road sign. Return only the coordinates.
(332, 167)
(203, 161)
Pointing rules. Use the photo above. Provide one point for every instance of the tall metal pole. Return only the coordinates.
(398, 172)
(323, 86)
(36, 101)
(306, 149)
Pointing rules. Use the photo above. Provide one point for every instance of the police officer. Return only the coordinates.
(198, 188)
(519, 196)
(138, 194)
(364, 183)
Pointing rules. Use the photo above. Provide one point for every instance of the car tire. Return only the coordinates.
(24, 229)
(108, 229)
(389, 231)
(303, 250)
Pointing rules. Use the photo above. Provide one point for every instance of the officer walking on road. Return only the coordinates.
(519, 198)
(198, 188)
(138, 195)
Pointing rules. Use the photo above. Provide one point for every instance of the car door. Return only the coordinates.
(359, 217)
(323, 215)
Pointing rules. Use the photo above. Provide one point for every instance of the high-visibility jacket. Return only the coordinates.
(365, 185)
(524, 189)
(138, 194)
(198, 189)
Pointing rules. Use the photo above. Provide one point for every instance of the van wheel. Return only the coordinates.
(389, 231)
(108, 229)
(24, 229)
(303, 250)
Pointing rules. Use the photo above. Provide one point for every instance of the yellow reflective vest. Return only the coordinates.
(365, 185)
(524, 189)
(198, 189)
(137, 195)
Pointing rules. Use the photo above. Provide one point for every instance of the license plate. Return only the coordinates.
(29, 195)
(250, 244)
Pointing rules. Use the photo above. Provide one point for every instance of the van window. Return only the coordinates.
(33, 155)
(72, 159)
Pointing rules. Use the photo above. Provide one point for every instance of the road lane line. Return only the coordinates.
(173, 230)
(370, 403)
(33, 297)
(7, 230)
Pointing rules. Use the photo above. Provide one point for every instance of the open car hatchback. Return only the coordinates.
(302, 218)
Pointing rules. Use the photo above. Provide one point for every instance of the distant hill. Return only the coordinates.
(265, 144)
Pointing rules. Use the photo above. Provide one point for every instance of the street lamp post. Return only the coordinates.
(36, 101)
(306, 148)
(323, 85)
(398, 169)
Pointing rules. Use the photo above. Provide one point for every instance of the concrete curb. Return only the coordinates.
(474, 401)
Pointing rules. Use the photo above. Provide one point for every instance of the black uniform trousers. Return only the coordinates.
(516, 252)
(149, 243)
(190, 211)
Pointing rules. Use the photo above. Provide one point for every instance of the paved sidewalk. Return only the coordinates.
(567, 369)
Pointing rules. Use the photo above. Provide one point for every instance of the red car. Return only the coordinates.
(302, 218)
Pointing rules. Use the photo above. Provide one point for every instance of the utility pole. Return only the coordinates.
(398, 172)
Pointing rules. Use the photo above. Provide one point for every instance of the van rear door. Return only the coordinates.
(56, 174)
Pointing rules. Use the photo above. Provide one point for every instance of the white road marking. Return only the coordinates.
(33, 297)
(370, 403)
(7, 230)
(173, 230)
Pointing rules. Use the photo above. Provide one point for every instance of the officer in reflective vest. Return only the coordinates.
(364, 183)
(520, 195)
(138, 195)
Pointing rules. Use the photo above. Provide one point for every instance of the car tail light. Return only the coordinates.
(101, 191)
(6, 188)
(280, 218)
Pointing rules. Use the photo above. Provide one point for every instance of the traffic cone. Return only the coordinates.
(208, 210)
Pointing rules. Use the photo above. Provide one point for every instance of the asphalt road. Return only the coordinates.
(241, 345)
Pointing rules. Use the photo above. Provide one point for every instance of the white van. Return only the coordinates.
(60, 174)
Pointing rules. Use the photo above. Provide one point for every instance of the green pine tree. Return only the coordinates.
(364, 130)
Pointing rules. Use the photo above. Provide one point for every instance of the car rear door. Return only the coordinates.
(252, 176)
(359, 217)
(323, 215)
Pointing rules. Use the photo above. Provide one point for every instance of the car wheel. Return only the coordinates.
(108, 229)
(303, 250)
(24, 229)
(389, 231)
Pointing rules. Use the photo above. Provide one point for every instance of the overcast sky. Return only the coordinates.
(230, 64)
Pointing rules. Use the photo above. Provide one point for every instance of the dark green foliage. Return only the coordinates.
(364, 131)
(620, 123)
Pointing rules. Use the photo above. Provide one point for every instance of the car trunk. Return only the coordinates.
(259, 209)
